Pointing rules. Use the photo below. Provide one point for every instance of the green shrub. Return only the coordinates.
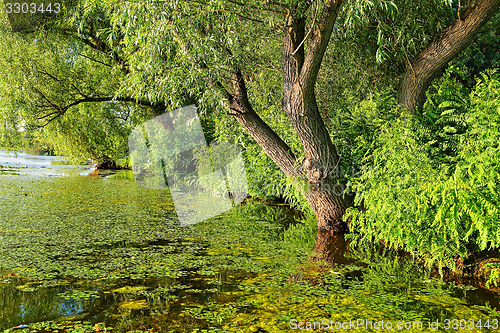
(430, 193)
(302, 235)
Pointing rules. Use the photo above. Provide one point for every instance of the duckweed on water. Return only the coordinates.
(75, 327)
(113, 253)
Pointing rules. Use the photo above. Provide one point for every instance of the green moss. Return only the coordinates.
(134, 305)
(60, 162)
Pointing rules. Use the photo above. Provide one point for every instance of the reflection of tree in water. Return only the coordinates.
(331, 248)
(382, 270)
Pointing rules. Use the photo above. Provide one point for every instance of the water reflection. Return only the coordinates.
(104, 233)
(20, 303)
(115, 303)
(331, 248)
(382, 263)
(21, 163)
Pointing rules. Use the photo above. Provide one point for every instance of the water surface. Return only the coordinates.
(102, 252)
(22, 163)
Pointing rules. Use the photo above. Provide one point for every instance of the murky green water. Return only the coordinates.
(105, 253)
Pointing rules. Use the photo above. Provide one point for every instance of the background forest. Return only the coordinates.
(424, 181)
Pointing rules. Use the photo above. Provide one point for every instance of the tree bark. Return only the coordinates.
(323, 190)
(331, 248)
(271, 143)
(433, 59)
(300, 71)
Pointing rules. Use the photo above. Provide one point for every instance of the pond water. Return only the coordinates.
(22, 163)
(93, 254)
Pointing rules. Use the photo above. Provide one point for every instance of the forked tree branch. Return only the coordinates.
(60, 110)
(318, 45)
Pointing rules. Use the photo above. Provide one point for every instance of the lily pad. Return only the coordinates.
(134, 305)
(26, 287)
(129, 289)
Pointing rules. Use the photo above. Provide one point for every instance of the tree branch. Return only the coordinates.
(95, 60)
(434, 58)
(61, 110)
(265, 136)
(63, 84)
(319, 43)
(271, 10)
(103, 48)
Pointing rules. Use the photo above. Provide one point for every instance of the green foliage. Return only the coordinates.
(165, 53)
(89, 131)
(10, 137)
(434, 189)
(490, 272)
(355, 127)
(42, 80)
(389, 278)
(482, 54)
(444, 120)
(144, 273)
(396, 30)
(169, 52)
(302, 235)
(385, 267)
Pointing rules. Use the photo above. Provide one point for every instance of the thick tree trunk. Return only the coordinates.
(300, 70)
(329, 207)
(323, 190)
(434, 58)
(331, 248)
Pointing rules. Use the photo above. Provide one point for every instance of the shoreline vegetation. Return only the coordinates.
(374, 124)
(479, 268)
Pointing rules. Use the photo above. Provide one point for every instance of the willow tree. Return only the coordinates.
(222, 43)
(167, 49)
(223, 52)
(62, 96)
(471, 17)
